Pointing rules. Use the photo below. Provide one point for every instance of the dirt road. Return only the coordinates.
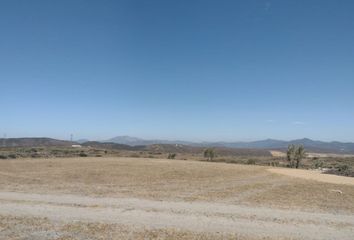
(194, 216)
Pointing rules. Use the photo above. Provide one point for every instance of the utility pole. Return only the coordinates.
(71, 137)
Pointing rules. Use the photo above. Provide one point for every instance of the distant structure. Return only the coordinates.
(76, 146)
(71, 137)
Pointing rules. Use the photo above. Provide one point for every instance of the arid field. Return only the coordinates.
(142, 198)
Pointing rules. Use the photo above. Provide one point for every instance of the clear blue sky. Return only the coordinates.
(190, 70)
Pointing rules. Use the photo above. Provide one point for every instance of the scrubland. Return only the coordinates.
(145, 198)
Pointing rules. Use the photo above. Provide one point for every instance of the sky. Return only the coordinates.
(195, 70)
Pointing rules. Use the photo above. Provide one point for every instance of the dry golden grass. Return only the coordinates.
(170, 180)
(21, 228)
(314, 175)
(174, 180)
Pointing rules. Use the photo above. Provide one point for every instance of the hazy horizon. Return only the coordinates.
(177, 70)
(173, 139)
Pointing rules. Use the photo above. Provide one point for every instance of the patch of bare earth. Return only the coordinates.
(313, 175)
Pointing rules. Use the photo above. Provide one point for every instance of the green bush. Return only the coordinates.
(342, 168)
(34, 150)
(171, 156)
(3, 157)
(274, 164)
(318, 164)
(13, 156)
(251, 162)
(82, 154)
(209, 154)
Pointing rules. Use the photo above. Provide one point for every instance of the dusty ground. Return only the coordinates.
(127, 198)
(314, 175)
(277, 153)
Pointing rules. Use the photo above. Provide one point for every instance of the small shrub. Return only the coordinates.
(251, 162)
(82, 154)
(318, 164)
(274, 164)
(13, 156)
(55, 152)
(3, 157)
(34, 150)
(342, 168)
(171, 156)
(209, 154)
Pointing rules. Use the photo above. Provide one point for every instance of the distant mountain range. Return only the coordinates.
(268, 144)
(33, 142)
(310, 145)
(134, 141)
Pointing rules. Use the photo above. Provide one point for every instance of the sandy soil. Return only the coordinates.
(277, 153)
(195, 217)
(135, 198)
(313, 175)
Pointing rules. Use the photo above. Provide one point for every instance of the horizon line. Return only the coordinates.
(179, 140)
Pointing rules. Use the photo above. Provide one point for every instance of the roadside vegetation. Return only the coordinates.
(296, 157)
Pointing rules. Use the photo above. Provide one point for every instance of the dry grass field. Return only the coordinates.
(141, 198)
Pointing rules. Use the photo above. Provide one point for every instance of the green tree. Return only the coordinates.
(299, 155)
(171, 156)
(209, 153)
(290, 154)
(295, 154)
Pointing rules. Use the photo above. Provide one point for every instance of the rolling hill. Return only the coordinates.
(133, 143)
(33, 142)
(271, 144)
